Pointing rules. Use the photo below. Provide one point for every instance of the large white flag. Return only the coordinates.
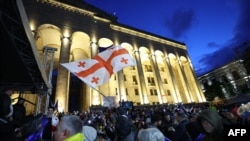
(98, 70)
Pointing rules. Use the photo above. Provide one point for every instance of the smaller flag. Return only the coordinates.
(94, 72)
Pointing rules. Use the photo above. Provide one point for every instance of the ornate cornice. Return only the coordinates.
(67, 7)
(146, 36)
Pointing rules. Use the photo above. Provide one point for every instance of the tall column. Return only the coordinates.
(142, 83)
(157, 77)
(94, 95)
(86, 91)
(243, 73)
(197, 86)
(188, 94)
(62, 86)
(175, 94)
(229, 78)
(121, 86)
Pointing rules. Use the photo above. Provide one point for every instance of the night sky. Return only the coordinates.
(209, 28)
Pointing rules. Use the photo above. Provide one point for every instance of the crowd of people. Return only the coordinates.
(167, 122)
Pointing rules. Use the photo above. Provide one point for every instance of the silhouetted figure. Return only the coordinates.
(6, 104)
(7, 131)
(125, 129)
(19, 112)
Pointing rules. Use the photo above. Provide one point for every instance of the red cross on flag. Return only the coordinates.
(98, 70)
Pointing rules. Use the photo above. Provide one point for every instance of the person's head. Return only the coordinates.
(90, 133)
(150, 134)
(9, 91)
(120, 111)
(156, 120)
(21, 100)
(50, 112)
(193, 117)
(68, 125)
(210, 121)
(167, 116)
(180, 116)
(207, 126)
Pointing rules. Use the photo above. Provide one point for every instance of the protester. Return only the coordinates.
(211, 124)
(155, 121)
(102, 137)
(89, 133)
(6, 104)
(19, 112)
(150, 134)
(180, 133)
(69, 128)
(47, 133)
(125, 129)
(193, 127)
(7, 129)
(166, 123)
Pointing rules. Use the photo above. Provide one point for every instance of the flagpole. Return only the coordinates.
(103, 95)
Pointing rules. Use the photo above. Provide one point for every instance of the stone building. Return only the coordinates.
(233, 77)
(61, 31)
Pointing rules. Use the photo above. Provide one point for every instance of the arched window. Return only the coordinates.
(224, 78)
(235, 75)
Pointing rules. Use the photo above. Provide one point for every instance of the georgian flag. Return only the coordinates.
(98, 70)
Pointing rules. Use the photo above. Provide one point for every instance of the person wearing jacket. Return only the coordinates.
(179, 132)
(151, 134)
(125, 129)
(69, 128)
(210, 123)
(89, 132)
(7, 129)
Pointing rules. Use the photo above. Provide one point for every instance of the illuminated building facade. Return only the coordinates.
(232, 76)
(75, 29)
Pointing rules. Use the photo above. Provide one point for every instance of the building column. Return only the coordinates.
(186, 84)
(175, 95)
(243, 73)
(157, 76)
(62, 85)
(195, 91)
(199, 93)
(229, 77)
(95, 98)
(121, 86)
(142, 83)
(86, 91)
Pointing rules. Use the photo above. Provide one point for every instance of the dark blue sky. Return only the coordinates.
(209, 28)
